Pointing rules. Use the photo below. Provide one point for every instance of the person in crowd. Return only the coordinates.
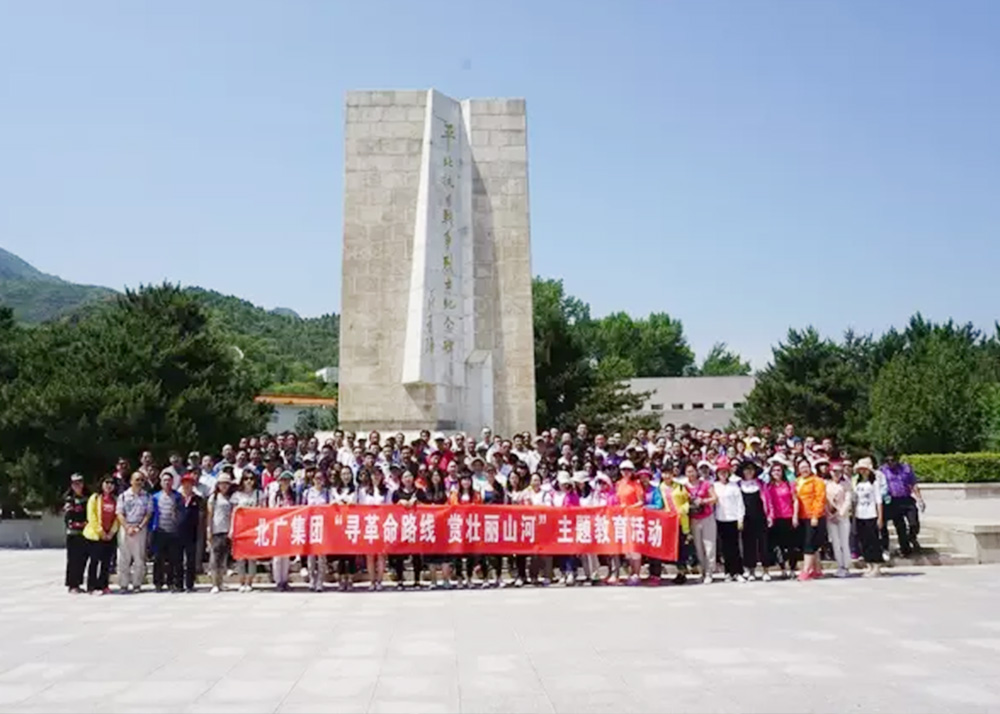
(839, 504)
(631, 495)
(374, 492)
(783, 535)
(604, 495)
(409, 496)
(514, 496)
(134, 509)
(176, 469)
(566, 496)
(342, 493)
(163, 530)
(283, 497)
(100, 532)
(465, 495)
(248, 496)
(540, 566)
(701, 511)
(758, 517)
(901, 509)
(207, 477)
(729, 514)
(811, 493)
(676, 500)
(652, 499)
(190, 527)
(869, 515)
(219, 519)
(77, 548)
(318, 494)
(439, 565)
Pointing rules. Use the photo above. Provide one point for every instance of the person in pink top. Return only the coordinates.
(783, 533)
(702, 516)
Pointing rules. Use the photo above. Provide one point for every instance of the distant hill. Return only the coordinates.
(36, 296)
(279, 344)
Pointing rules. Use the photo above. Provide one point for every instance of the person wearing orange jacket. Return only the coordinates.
(811, 492)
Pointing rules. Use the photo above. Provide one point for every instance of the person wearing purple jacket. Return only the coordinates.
(904, 498)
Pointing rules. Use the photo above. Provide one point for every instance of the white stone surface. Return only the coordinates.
(605, 649)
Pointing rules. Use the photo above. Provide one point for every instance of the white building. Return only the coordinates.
(702, 402)
(329, 375)
(288, 407)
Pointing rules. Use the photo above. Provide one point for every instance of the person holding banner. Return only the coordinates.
(464, 496)
(652, 499)
(374, 492)
(439, 565)
(566, 497)
(604, 495)
(284, 497)
(514, 497)
(407, 495)
(630, 495)
(535, 495)
(493, 493)
(247, 497)
(342, 493)
(317, 495)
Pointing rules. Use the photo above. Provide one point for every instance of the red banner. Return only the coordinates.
(453, 530)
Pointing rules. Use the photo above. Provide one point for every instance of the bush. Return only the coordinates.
(981, 467)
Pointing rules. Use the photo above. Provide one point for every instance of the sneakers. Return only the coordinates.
(741, 578)
(633, 580)
(749, 576)
(680, 579)
(728, 578)
(519, 583)
(378, 587)
(215, 589)
(545, 582)
(570, 580)
(766, 577)
(707, 580)
(613, 580)
(653, 580)
(841, 572)
(803, 576)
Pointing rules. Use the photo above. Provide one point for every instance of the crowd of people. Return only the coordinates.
(751, 503)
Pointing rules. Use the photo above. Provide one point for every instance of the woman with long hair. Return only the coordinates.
(757, 518)
(220, 523)
(282, 497)
(566, 497)
(515, 497)
(839, 504)
(100, 532)
(494, 494)
(464, 495)
(782, 536)
(439, 565)
(374, 492)
(342, 493)
(318, 494)
(869, 516)
(811, 491)
(247, 497)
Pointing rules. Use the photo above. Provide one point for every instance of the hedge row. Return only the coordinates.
(956, 468)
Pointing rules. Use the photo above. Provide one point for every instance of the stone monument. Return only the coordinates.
(436, 324)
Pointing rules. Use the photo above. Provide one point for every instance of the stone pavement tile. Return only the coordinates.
(487, 683)
(500, 703)
(264, 667)
(252, 691)
(356, 649)
(244, 708)
(572, 682)
(409, 706)
(68, 691)
(962, 693)
(335, 667)
(39, 672)
(442, 687)
(583, 702)
(161, 692)
(399, 665)
(323, 689)
(331, 706)
(421, 648)
(15, 693)
(192, 668)
(667, 680)
(494, 663)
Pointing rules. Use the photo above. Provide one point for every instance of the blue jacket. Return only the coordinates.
(154, 522)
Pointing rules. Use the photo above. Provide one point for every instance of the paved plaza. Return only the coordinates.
(926, 640)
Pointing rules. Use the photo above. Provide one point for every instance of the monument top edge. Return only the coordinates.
(368, 97)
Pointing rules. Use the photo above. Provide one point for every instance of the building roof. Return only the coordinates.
(295, 400)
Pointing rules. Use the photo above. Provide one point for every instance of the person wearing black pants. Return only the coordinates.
(77, 548)
(729, 515)
(167, 507)
(904, 495)
(410, 496)
(190, 525)
(757, 516)
(100, 532)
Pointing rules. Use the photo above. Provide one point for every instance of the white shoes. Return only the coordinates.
(707, 580)
(766, 577)
(741, 579)
(215, 590)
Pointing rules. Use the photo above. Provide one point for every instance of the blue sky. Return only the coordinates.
(744, 166)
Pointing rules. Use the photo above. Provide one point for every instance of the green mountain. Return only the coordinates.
(279, 345)
(36, 296)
